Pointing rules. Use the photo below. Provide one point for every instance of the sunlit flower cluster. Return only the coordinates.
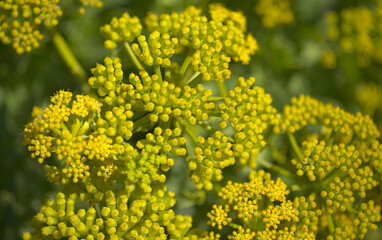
(114, 149)
(210, 44)
(341, 125)
(248, 111)
(343, 161)
(148, 217)
(123, 29)
(258, 209)
(345, 180)
(22, 22)
(66, 131)
(211, 156)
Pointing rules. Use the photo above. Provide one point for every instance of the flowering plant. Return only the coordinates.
(313, 169)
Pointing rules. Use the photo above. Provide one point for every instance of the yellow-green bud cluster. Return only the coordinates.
(274, 13)
(158, 50)
(144, 218)
(120, 30)
(358, 32)
(345, 176)
(214, 42)
(21, 21)
(97, 148)
(75, 133)
(338, 164)
(259, 208)
(169, 141)
(211, 156)
(106, 79)
(155, 99)
(142, 168)
(238, 47)
(165, 101)
(248, 110)
(221, 14)
(343, 126)
(355, 227)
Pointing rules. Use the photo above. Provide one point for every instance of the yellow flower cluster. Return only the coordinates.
(259, 209)
(249, 112)
(143, 218)
(106, 78)
(343, 126)
(155, 99)
(157, 51)
(343, 162)
(211, 43)
(123, 29)
(274, 13)
(90, 144)
(114, 152)
(211, 156)
(358, 32)
(345, 178)
(221, 14)
(67, 129)
(21, 22)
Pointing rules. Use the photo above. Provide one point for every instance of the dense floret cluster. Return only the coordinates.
(22, 22)
(358, 31)
(258, 209)
(113, 150)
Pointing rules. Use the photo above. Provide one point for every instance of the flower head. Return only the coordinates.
(21, 22)
(260, 208)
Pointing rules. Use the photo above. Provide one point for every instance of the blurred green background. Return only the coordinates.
(288, 63)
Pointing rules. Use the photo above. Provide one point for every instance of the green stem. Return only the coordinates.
(67, 55)
(275, 168)
(57, 131)
(215, 99)
(275, 153)
(143, 124)
(222, 88)
(233, 225)
(207, 127)
(330, 222)
(185, 64)
(295, 146)
(64, 127)
(189, 132)
(295, 188)
(332, 175)
(133, 57)
(167, 75)
(158, 72)
(75, 126)
(194, 79)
